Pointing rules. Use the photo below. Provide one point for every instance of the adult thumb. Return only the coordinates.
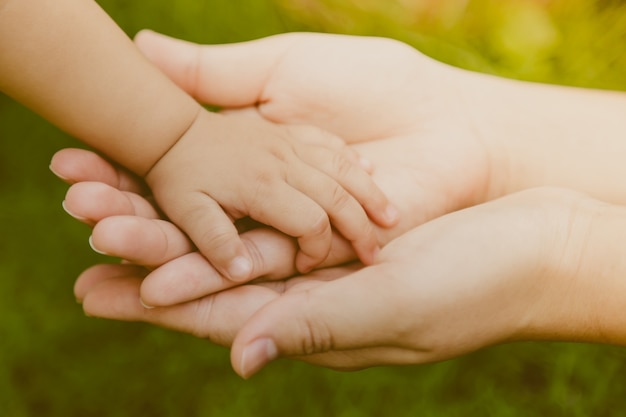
(229, 75)
(349, 313)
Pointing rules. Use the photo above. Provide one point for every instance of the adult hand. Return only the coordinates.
(418, 147)
(493, 273)
(419, 125)
(466, 137)
(397, 173)
(563, 308)
(127, 225)
(408, 107)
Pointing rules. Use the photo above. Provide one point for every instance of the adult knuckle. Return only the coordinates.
(203, 313)
(316, 335)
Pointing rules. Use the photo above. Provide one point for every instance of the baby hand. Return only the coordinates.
(297, 179)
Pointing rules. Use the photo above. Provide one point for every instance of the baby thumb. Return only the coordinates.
(348, 313)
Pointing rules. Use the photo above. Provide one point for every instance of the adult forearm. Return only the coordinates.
(552, 135)
(581, 296)
(69, 62)
(601, 276)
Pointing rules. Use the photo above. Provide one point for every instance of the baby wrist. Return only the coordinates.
(168, 146)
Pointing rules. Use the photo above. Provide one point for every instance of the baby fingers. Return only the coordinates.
(305, 205)
(343, 164)
(215, 235)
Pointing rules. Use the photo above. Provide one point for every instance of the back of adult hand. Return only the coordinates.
(468, 137)
(409, 108)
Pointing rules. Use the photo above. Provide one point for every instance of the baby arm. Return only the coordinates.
(503, 135)
(68, 61)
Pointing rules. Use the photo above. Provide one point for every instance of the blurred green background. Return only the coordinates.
(54, 361)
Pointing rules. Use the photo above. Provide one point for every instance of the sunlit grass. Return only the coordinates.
(577, 42)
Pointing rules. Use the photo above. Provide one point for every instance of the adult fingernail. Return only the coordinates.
(93, 247)
(77, 217)
(56, 173)
(144, 305)
(240, 268)
(256, 355)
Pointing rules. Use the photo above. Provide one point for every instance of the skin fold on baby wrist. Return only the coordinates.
(199, 112)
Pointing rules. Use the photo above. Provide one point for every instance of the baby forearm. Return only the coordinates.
(68, 61)
(552, 135)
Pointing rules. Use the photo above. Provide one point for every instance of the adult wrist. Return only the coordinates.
(543, 134)
(580, 285)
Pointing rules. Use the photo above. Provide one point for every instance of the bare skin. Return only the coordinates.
(516, 268)
(541, 264)
(68, 61)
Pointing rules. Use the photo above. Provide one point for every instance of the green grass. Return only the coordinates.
(54, 361)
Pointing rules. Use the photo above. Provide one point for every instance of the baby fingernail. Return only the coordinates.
(366, 164)
(256, 355)
(240, 268)
(56, 173)
(144, 305)
(391, 214)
